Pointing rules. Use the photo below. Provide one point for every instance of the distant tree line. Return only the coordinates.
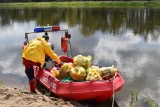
(9, 1)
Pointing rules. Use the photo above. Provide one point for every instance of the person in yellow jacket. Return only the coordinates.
(34, 54)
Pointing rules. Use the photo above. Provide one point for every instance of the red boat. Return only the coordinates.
(101, 90)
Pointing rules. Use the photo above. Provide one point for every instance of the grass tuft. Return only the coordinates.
(139, 101)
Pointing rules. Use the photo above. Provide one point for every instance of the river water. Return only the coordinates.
(127, 38)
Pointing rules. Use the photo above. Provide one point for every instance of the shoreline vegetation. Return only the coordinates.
(111, 4)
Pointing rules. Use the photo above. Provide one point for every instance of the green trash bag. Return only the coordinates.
(67, 79)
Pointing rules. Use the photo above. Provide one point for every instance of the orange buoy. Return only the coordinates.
(64, 44)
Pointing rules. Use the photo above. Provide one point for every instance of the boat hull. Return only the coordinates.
(79, 91)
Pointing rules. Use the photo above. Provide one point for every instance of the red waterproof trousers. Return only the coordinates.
(30, 72)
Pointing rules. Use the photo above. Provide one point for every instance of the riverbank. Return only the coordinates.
(85, 4)
(12, 97)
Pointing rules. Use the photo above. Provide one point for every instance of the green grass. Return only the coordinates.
(1, 84)
(137, 99)
(84, 4)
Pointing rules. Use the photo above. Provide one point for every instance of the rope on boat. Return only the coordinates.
(113, 92)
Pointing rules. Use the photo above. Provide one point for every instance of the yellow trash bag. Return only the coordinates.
(93, 74)
(55, 72)
(78, 73)
(65, 70)
(84, 61)
(95, 68)
(108, 72)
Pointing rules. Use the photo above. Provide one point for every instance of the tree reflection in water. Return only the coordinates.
(143, 21)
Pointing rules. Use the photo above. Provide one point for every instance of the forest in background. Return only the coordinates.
(12, 1)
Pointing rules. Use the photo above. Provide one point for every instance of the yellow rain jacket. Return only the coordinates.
(37, 49)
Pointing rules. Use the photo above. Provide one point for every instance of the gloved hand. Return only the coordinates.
(61, 63)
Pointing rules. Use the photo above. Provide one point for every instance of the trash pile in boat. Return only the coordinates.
(82, 69)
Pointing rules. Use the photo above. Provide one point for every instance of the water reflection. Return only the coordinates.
(90, 20)
(126, 38)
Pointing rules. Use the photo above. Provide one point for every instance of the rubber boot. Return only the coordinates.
(32, 85)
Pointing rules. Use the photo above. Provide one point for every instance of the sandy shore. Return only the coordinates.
(12, 97)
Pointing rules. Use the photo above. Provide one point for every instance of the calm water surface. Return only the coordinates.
(126, 38)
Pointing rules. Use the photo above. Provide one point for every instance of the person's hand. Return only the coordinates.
(61, 63)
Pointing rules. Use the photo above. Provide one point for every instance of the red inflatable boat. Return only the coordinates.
(101, 90)
(86, 90)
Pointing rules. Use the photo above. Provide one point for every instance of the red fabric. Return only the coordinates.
(32, 85)
(29, 64)
(39, 73)
(64, 44)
